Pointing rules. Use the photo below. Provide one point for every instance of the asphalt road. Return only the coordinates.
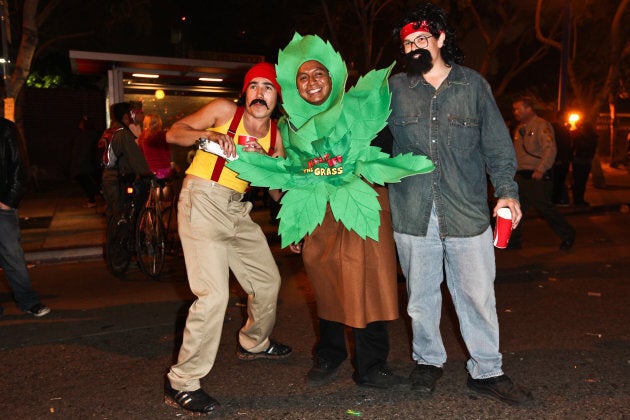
(104, 350)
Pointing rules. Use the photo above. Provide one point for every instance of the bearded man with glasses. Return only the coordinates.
(441, 219)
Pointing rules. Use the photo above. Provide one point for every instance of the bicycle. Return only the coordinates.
(157, 231)
(148, 233)
(119, 244)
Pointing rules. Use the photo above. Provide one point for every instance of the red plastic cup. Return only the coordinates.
(503, 228)
(243, 139)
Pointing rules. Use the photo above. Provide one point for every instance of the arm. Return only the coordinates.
(276, 195)
(189, 129)
(547, 143)
(497, 149)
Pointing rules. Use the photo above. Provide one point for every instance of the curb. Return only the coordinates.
(64, 255)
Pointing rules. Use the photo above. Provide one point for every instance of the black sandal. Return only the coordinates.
(194, 403)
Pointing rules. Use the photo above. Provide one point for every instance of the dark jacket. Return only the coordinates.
(459, 127)
(12, 172)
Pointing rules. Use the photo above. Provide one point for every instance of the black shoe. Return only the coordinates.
(322, 373)
(380, 377)
(566, 244)
(274, 351)
(39, 310)
(500, 388)
(194, 403)
(424, 377)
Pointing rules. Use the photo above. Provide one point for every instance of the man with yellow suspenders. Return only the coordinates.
(218, 235)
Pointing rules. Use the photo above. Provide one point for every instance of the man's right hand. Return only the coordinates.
(296, 248)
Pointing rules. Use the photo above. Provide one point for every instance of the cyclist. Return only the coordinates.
(124, 162)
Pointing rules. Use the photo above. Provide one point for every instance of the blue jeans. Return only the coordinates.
(13, 262)
(470, 270)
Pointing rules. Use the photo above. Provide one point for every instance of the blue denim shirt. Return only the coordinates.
(459, 127)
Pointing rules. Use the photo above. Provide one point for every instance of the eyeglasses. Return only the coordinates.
(421, 41)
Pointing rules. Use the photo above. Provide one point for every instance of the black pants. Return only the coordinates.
(581, 172)
(537, 194)
(560, 194)
(371, 345)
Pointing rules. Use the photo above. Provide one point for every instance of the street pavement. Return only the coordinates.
(104, 350)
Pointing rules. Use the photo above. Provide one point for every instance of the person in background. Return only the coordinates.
(137, 118)
(152, 142)
(584, 143)
(560, 193)
(130, 164)
(535, 149)
(441, 220)
(218, 235)
(85, 168)
(12, 179)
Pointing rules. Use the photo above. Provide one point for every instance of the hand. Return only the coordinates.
(253, 146)
(537, 175)
(227, 144)
(513, 205)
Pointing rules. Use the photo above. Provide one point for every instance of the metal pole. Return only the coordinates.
(564, 60)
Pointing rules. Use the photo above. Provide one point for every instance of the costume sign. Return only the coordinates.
(328, 151)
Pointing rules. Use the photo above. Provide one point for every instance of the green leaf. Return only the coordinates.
(383, 170)
(260, 170)
(357, 207)
(303, 209)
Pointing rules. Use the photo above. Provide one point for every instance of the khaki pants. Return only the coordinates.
(217, 235)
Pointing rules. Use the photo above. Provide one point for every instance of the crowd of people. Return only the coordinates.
(436, 220)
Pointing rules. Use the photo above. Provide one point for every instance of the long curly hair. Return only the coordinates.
(438, 23)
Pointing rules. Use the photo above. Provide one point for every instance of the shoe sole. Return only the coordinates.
(40, 314)
(253, 356)
(321, 382)
(424, 390)
(172, 403)
(491, 395)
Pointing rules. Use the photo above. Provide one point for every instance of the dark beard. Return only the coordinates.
(418, 66)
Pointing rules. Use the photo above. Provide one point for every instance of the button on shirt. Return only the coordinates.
(459, 127)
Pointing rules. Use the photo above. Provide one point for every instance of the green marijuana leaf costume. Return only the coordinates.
(328, 149)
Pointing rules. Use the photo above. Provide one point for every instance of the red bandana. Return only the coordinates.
(422, 26)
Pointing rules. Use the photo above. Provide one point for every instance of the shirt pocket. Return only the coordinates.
(405, 131)
(463, 133)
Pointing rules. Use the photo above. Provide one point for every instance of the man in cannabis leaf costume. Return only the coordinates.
(332, 202)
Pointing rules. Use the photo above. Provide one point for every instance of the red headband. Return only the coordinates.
(422, 26)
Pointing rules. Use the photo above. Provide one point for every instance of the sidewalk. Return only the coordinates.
(56, 227)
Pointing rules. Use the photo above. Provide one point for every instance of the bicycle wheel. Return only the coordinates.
(117, 252)
(150, 242)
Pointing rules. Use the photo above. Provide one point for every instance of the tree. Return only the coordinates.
(69, 14)
(599, 51)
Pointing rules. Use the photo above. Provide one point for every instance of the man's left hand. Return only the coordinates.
(514, 206)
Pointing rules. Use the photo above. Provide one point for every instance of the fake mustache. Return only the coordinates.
(259, 101)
